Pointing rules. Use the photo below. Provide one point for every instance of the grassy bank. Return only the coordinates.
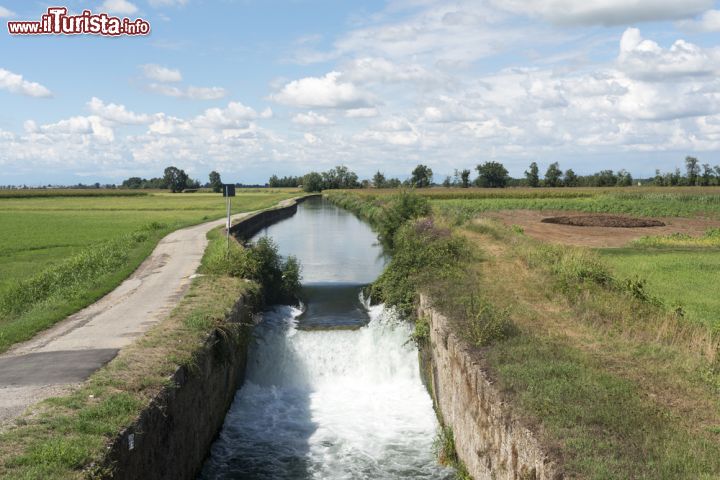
(62, 254)
(66, 437)
(614, 381)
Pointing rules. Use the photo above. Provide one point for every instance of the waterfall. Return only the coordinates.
(329, 404)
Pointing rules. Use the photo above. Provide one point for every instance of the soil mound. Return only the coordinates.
(603, 221)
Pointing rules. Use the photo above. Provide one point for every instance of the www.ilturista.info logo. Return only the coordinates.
(57, 22)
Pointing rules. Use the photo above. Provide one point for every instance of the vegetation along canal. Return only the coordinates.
(333, 391)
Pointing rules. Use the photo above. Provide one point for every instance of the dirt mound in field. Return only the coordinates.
(604, 221)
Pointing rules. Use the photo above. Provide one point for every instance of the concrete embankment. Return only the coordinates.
(173, 434)
(489, 439)
(253, 224)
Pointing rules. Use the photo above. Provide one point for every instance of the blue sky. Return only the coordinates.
(252, 88)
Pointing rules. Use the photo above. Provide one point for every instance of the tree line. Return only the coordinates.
(490, 174)
(174, 179)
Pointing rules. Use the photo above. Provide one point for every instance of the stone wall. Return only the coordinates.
(488, 439)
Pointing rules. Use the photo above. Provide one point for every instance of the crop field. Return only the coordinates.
(40, 230)
(60, 253)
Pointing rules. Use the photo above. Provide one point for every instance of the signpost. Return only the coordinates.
(228, 193)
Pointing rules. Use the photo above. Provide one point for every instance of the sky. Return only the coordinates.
(254, 88)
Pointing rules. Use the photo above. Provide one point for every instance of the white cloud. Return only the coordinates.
(80, 126)
(329, 91)
(159, 73)
(310, 119)
(645, 59)
(192, 93)
(708, 22)
(235, 115)
(376, 69)
(605, 12)
(17, 84)
(362, 112)
(4, 12)
(311, 139)
(116, 113)
(121, 7)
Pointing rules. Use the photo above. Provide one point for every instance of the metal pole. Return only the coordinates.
(228, 222)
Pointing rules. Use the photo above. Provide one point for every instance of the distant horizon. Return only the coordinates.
(251, 88)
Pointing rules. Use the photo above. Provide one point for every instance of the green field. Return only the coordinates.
(61, 253)
(689, 278)
(41, 230)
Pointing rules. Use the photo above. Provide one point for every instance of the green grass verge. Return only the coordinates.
(603, 424)
(683, 278)
(66, 437)
(110, 241)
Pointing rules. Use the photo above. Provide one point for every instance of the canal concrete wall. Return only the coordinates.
(253, 224)
(172, 436)
(491, 441)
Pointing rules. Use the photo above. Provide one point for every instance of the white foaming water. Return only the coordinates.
(329, 405)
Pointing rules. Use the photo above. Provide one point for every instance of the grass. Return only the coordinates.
(684, 278)
(616, 386)
(69, 192)
(40, 231)
(66, 437)
(614, 381)
(61, 254)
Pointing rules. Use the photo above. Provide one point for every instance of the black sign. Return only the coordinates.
(228, 190)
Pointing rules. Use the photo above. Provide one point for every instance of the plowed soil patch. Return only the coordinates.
(604, 221)
(596, 236)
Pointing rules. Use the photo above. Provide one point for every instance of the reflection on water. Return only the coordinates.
(321, 401)
(331, 243)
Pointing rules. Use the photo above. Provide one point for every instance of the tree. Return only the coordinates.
(215, 181)
(340, 177)
(132, 182)
(553, 175)
(624, 179)
(421, 176)
(532, 175)
(313, 182)
(492, 175)
(447, 183)
(570, 180)
(707, 175)
(693, 170)
(379, 180)
(394, 183)
(605, 178)
(175, 179)
(465, 178)
(658, 180)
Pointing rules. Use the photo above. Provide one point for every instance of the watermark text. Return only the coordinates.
(57, 22)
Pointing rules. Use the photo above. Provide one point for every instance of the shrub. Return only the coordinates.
(261, 262)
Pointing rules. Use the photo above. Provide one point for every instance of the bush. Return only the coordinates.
(423, 252)
(260, 262)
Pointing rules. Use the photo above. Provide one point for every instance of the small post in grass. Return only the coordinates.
(228, 193)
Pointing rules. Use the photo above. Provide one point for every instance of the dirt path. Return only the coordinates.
(597, 237)
(66, 354)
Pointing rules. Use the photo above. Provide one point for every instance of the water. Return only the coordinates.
(329, 404)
